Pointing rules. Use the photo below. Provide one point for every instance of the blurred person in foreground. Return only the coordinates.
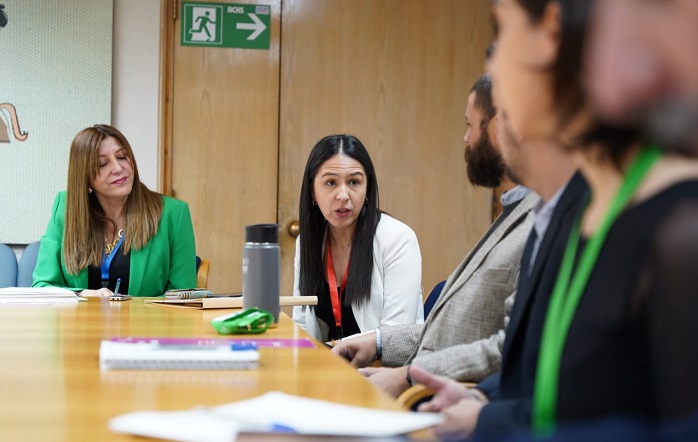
(642, 68)
(624, 289)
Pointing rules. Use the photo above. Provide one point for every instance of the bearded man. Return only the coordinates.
(463, 335)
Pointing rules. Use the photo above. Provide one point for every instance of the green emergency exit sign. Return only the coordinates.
(226, 25)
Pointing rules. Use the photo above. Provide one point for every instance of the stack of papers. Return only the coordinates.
(38, 296)
(156, 355)
(274, 412)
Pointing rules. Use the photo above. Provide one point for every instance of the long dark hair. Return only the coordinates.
(313, 223)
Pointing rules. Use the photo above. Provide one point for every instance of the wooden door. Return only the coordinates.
(397, 74)
(221, 141)
(239, 124)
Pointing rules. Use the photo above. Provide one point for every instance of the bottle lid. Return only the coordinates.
(261, 233)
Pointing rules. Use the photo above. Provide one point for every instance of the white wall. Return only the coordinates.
(136, 83)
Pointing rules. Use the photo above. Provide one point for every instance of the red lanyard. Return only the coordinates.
(332, 280)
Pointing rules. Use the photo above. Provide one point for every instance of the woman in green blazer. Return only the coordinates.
(109, 227)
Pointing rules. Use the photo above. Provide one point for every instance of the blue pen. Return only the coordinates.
(281, 428)
(116, 289)
(242, 346)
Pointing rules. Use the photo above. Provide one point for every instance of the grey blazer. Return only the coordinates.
(463, 336)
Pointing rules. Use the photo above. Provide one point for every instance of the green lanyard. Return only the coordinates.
(568, 291)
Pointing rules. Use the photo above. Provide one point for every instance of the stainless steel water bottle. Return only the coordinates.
(261, 264)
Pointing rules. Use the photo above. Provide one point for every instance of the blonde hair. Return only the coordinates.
(83, 240)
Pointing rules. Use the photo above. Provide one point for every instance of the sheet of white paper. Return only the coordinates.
(37, 301)
(36, 291)
(186, 426)
(37, 296)
(273, 412)
(311, 416)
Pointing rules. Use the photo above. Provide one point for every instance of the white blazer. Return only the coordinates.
(396, 291)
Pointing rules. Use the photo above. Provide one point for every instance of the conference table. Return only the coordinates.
(52, 388)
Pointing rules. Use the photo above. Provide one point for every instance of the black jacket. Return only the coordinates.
(511, 390)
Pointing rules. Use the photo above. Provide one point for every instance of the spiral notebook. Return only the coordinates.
(167, 356)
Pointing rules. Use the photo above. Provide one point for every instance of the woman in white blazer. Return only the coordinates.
(363, 265)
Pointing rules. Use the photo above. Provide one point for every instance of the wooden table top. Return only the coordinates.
(51, 386)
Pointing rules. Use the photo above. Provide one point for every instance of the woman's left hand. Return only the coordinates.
(101, 293)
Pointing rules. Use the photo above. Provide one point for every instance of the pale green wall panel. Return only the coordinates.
(56, 69)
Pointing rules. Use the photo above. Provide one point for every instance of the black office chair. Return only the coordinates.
(432, 297)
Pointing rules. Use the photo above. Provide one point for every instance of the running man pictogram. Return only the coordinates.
(203, 21)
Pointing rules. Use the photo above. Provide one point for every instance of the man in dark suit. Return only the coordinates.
(500, 404)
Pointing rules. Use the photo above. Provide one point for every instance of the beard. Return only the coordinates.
(485, 164)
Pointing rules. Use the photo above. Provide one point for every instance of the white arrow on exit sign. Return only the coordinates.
(258, 27)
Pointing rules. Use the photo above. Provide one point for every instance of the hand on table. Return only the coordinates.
(359, 350)
(100, 293)
(460, 405)
(460, 419)
(391, 380)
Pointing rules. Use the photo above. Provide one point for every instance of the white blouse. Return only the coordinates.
(396, 292)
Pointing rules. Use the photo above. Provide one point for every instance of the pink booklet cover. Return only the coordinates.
(256, 342)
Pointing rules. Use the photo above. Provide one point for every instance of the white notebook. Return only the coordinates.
(156, 356)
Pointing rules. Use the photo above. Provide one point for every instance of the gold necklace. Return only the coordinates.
(109, 247)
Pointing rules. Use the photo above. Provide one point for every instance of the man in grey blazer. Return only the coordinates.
(463, 335)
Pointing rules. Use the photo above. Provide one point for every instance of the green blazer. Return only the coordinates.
(168, 260)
